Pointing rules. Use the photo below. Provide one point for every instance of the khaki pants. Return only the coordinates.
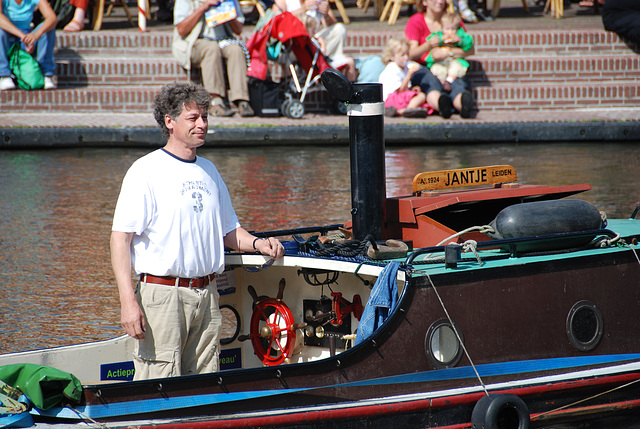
(183, 331)
(207, 55)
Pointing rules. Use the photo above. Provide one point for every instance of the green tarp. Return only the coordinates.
(45, 387)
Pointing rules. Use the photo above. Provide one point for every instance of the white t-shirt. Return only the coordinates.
(293, 5)
(391, 78)
(183, 8)
(179, 212)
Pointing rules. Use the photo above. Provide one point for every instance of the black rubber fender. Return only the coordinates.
(500, 411)
(545, 217)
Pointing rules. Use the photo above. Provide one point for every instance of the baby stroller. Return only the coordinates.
(286, 33)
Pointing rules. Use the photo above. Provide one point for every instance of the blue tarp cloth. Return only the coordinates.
(382, 301)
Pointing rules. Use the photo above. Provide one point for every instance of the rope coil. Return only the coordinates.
(347, 248)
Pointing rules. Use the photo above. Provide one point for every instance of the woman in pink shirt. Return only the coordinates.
(428, 20)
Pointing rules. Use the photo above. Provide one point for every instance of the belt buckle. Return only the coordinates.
(191, 282)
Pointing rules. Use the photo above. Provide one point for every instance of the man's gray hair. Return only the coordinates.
(172, 99)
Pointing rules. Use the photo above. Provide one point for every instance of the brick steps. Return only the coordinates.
(118, 98)
(547, 43)
(512, 42)
(568, 95)
(113, 71)
(484, 70)
(113, 43)
(99, 98)
(119, 71)
(558, 69)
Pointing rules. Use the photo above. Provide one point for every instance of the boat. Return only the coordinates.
(473, 301)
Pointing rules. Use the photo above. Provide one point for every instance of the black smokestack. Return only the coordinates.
(367, 151)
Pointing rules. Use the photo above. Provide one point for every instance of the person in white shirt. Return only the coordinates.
(398, 95)
(196, 43)
(172, 220)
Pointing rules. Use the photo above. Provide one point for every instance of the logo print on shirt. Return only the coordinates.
(198, 197)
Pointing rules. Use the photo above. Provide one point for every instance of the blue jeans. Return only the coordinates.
(428, 82)
(43, 52)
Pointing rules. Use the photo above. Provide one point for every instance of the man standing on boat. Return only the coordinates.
(172, 220)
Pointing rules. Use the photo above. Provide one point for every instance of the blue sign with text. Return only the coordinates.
(117, 371)
(230, 359)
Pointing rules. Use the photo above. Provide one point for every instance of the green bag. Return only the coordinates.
(46, 387)
(25, 68)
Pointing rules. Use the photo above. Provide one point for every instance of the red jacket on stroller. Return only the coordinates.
(289, 30)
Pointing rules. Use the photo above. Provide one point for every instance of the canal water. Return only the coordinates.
(56, 206)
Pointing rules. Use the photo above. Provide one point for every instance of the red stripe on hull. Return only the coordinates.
(423, 405)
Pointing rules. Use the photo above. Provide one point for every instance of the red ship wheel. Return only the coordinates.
(272, 329)
(273, 332)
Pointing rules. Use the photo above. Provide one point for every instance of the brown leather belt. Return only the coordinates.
(200, 282)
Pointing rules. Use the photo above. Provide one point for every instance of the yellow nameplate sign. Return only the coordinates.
(464, 177)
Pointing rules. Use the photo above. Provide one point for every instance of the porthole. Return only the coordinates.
(442, 346)
(584, 326)
(230, 324)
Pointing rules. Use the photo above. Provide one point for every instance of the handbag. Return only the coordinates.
(25, 68)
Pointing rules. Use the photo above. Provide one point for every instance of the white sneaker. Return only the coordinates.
(49, 83)
(6, 83)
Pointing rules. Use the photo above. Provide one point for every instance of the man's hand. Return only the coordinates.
(132, 319)
(270, 246)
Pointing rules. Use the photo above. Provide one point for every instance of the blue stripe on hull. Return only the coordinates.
(504, 368)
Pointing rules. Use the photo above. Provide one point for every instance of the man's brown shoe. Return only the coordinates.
(220, 110)
(245, 110)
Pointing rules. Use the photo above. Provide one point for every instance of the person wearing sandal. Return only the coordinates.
(77, 22)
(428, 20)
(465, 12)
(15, 26)
(591, 3)
(197, 43)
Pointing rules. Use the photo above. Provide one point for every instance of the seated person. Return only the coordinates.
(428, 20)
(323, 26)
(77, 22)
(399, 98)
(195, 42)
(15, 26)
(331, 35)
(451, 36)
(591, 3)
(465, 12)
